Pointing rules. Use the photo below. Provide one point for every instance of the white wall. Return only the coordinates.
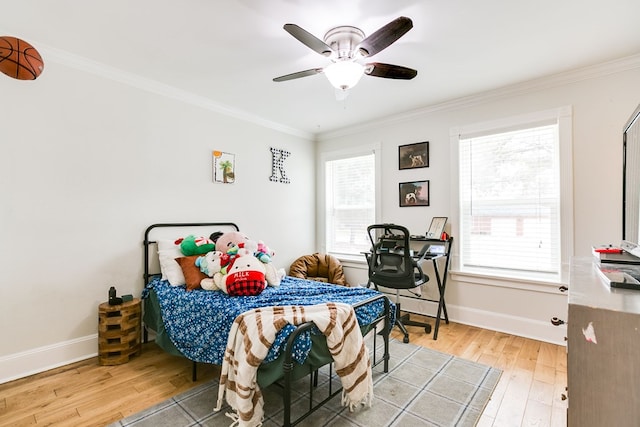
(602, 98)
(86, 164)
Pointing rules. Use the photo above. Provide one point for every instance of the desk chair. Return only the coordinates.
(391, 265)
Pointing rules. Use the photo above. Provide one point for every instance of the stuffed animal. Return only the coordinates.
(263, 252)
(215, 262)
(192, 245)
(246, 275)
(228, 240)
(274, 275)
(228, 247)
(224, 274)
(211, 263)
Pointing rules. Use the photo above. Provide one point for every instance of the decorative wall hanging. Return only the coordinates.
(413, 156)
(414, 193)
(19, 60)
(278, 157)
(224, 167)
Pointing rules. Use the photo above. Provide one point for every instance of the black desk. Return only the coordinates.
(441, 279)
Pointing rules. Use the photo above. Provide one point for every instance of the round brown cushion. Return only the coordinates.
(319, 267)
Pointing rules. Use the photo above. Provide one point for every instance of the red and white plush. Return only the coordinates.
(244, 275)
(229, 247)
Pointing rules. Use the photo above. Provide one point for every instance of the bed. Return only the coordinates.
(195, 323)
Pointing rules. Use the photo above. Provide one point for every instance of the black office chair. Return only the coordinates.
(392, 266)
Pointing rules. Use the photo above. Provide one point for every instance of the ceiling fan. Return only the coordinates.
(345, 45)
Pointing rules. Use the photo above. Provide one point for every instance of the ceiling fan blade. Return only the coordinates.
(308, 39)
(299, 74)
(385, 36)
(389, 71)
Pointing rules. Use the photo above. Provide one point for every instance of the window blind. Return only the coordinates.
(350, 203)
(510, 201)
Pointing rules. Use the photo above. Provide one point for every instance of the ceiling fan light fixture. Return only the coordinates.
(344, 46)
(344, 74)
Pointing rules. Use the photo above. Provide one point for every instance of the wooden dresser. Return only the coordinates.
(603, 330)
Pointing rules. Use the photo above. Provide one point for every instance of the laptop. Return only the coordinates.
(431, 251)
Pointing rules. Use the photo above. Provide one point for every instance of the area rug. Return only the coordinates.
(423, 387)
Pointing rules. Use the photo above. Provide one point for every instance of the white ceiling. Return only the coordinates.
(227, 52)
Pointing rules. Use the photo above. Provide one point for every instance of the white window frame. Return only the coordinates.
(563, 117)
(326, 156)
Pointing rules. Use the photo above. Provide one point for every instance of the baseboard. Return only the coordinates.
(20, 365)
(500, 322)
(30, 362)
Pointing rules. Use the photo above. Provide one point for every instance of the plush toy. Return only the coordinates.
(246, 275)
(274, 275)
(192, 245)
(228, 240)
(214, 283)
(210, 264)
(229, 246)
(230, 277)
(263, 252)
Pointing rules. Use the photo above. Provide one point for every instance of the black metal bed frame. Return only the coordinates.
(288, 365)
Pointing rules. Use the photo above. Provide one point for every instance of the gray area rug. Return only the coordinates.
(422, 388)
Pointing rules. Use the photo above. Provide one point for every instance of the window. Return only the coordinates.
(350, 202)
(511, 177)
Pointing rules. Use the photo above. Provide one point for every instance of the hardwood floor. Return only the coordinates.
(533, 381)
(86, 394)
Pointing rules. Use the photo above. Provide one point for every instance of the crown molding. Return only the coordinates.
(134, 80)
(547, 82)
(108, 72)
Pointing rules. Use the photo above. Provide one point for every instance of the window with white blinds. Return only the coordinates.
(350, 203)
(510, 199)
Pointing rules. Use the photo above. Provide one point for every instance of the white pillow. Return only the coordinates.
(168, 251)
(170, 268)
(167, 245)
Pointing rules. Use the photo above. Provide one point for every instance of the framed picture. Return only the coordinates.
(437, 227)
(414, 193)
(413, 156)
(224, 167)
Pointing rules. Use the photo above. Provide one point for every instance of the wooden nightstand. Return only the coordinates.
(119, 332)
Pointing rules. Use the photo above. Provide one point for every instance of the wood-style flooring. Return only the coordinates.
(530, 391)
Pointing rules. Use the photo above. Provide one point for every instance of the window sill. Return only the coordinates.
(351, 260)
(530, 284)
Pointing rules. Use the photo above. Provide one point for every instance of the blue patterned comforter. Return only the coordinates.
(198, 322)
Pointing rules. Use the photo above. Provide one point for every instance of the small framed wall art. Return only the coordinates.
(413, 156)
(414, 193)
(437, 227)
(224, 167)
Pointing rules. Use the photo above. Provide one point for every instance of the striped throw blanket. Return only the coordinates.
(251, 336)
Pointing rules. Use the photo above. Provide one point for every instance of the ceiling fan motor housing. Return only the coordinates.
(344, 41)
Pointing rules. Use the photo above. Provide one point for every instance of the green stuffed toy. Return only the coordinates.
(192, 245)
